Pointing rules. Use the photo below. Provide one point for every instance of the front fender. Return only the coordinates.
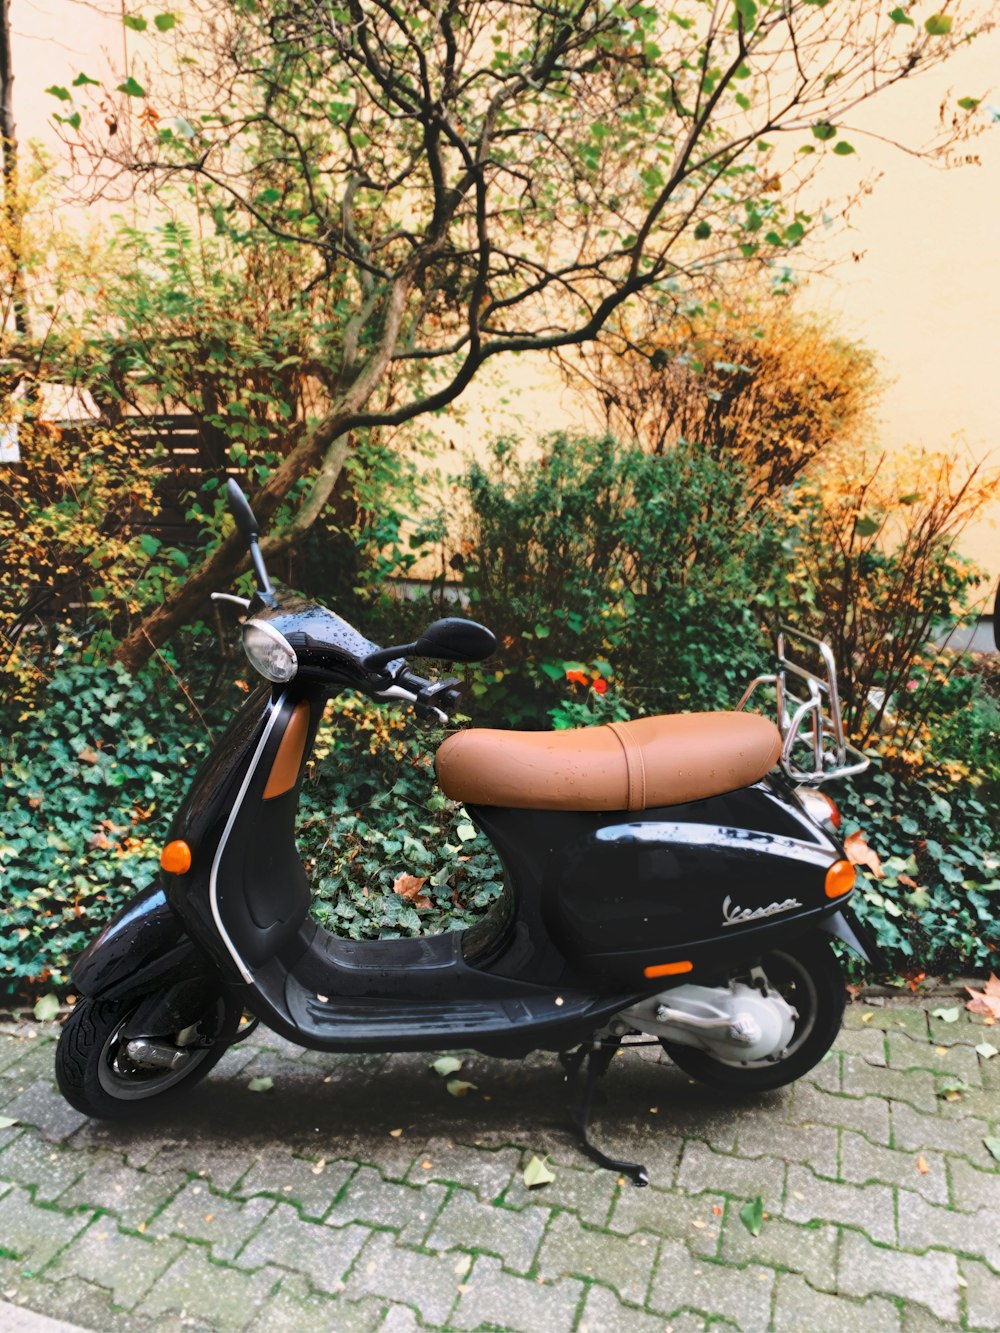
(144, 942)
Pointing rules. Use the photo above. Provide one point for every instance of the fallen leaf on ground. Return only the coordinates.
(318, 1167)
(986, 1050)
(395, 1133)
(446, 1065)
(6, 1121)
(993, 1147)
(409, 886)
(264, 1084)
(922, 1166)
(752, 1215)
(947, 1015)
(46, 1008)
(951, 1089)
(987, 1000)
(458, 1087)
(536, 1174)
(860, 854)
(867, 1018)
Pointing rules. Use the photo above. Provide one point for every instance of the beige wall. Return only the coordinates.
(925, 294)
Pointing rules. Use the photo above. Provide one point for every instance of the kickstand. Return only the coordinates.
(598, 1055)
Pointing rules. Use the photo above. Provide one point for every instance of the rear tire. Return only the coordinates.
(807, 974)
(96, 1076)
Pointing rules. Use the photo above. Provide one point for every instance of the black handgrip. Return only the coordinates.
(239, 506)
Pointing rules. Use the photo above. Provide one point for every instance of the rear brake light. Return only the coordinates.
(819, 806)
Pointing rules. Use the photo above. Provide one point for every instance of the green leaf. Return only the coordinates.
(135, 21)
(938, 25)
(446, 1065)
(947, 1015)
(910, 499)
(82, 80)
(867, 527)
(542, 631)
(149, 544)
(466, 831)
(987, 1050)
(6, 1121)
(164, 22)
(46, 1008)
(131, 88)
(73, 120)
(702, 232)
(843, 149)
(264, 1084)
(951, 1089)
(748, 10)
(968, 103)
(899, 15)
(823, 130)
(458, 1087)
(752, 1215)
(993, 1147)
(536, 1174)
(63, 94)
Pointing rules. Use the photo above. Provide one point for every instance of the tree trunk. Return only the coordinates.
(8, 144)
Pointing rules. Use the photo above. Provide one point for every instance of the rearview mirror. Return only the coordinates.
(455, 640)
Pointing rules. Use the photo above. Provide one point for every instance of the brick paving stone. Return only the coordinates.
(815, 1145)
(904, 1018)
(868, 1043)
(742, 1295)
(604, 1313)
(810, 1251)
(929, 1279)
(913, 1130)
(198, 1214)
(193, 1285)
(295, 1308)
(922, 1225)
(587, 1191)
(862, 1162)
(696, 1220)
(224, 1164)
(702, 1169)
(312, 1185)
(573, 1250)
(43, 1108)
(869, 1207)
(868, 1115)
(982, 1295)
(916, 1087)
(799, 1308)
(137, 1146)
(428, 1282)
(29, 1160)
(488, 1172)
(971, 1189)
(408, 1209)
(322, 1253)
(465, 1223)
(35, 1234)
(133, 1196)
(399, 1319)
(125, 1265)
(492, 1297)
(960, 1061)
(980, 1102)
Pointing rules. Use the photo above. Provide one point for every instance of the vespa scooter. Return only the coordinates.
(676, 878)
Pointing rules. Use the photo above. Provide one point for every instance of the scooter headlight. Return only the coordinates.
(269, 652)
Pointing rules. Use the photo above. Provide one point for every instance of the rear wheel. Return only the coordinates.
(807, 975)
(99, 1074)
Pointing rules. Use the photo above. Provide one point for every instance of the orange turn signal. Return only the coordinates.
(839, 879)
(175, 858)
(666, 969)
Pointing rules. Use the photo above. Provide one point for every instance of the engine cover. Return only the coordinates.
(735, 1023)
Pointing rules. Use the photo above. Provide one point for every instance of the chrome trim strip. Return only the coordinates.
(213, 886)
(721, 837)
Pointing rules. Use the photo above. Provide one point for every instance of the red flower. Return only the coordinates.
(600, 687)
(577, 678)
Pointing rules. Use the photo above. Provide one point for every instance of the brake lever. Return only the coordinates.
(243, 602)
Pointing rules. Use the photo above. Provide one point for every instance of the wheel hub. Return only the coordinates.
(734, 1023)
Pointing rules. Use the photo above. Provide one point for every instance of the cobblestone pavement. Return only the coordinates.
(358, 1194)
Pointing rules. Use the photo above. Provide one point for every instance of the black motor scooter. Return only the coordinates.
(676, 878)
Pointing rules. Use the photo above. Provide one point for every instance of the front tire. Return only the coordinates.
(807, 974)
(96, 1076)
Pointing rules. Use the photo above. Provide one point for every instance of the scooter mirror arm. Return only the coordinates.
(243, 602)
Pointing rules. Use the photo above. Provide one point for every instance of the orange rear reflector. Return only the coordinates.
(287, 762)
(839, 879)
(176, 858)
(667, 969)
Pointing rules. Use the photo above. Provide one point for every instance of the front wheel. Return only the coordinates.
(99, 1075)
(807, 975)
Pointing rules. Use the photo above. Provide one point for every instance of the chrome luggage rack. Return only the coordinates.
(808, 711)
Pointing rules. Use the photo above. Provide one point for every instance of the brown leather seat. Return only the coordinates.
(623, 766)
